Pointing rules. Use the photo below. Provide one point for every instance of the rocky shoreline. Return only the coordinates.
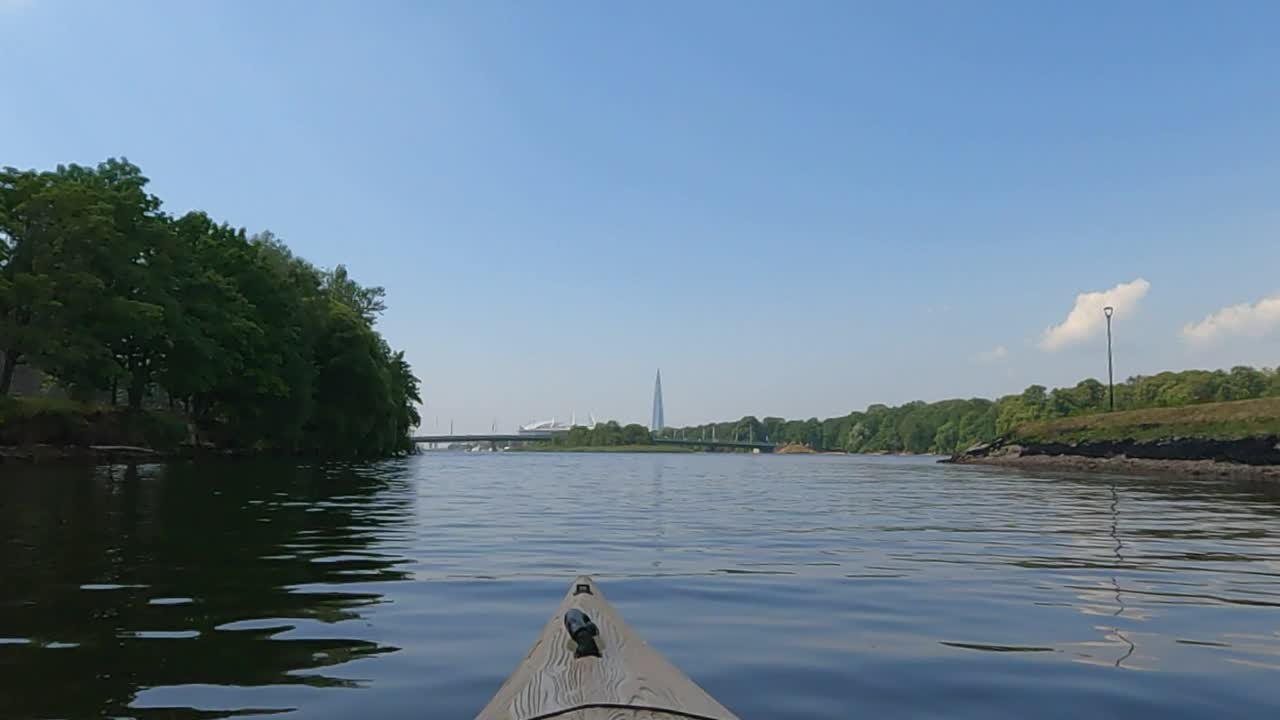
(1251, 458)
(77, 453)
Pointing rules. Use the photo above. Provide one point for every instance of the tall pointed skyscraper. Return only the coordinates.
(658, 422)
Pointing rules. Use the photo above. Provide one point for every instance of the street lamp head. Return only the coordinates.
(1108, 310)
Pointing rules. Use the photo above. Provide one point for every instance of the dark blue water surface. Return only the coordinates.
(788, 587)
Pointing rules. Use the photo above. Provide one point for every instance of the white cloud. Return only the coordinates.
(1248, 319)
(994, 355)
(1086, 318)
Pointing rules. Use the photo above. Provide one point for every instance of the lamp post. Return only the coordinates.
(1111, 385)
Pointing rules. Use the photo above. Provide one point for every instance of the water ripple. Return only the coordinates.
(790, 587)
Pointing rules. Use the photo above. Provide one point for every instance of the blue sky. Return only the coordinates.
(793, 209)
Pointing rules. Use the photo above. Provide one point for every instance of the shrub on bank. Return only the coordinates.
(48, 421)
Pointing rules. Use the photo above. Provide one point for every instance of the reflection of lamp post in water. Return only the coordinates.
(1111, 384)
(1115, 583)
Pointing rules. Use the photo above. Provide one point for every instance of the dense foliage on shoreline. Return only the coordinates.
(61, 423)
(605, 434)
(952, 425)
(118, 302)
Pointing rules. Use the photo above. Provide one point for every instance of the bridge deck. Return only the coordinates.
(491, 437)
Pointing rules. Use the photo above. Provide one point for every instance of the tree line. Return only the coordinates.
(118, 302)
(952, 425)
(605, 434)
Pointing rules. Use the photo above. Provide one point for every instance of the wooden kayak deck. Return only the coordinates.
(628, 681)
(618, 714)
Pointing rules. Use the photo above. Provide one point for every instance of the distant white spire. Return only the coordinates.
(658, 421)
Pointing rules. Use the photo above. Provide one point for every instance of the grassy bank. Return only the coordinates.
(1211, 421)
(45, 421)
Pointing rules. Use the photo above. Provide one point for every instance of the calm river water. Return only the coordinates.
(788, 587)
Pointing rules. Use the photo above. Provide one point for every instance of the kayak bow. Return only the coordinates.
(589, 665)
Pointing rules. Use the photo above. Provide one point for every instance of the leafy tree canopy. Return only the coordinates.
(952, 425)
(118, 301)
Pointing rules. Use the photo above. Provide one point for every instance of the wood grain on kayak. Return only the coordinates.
(629, 673)
(618, 714)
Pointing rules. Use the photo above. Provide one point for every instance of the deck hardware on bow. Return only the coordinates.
(583, 632)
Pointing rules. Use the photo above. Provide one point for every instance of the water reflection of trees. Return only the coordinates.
(108, 573)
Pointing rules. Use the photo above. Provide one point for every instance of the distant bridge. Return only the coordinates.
(544, 437)
(487, 437)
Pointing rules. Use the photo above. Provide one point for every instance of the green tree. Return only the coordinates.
(367, 302)
(51, 229)
(634, 434)
(213, 328)
(951, 425)
(98, 288)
